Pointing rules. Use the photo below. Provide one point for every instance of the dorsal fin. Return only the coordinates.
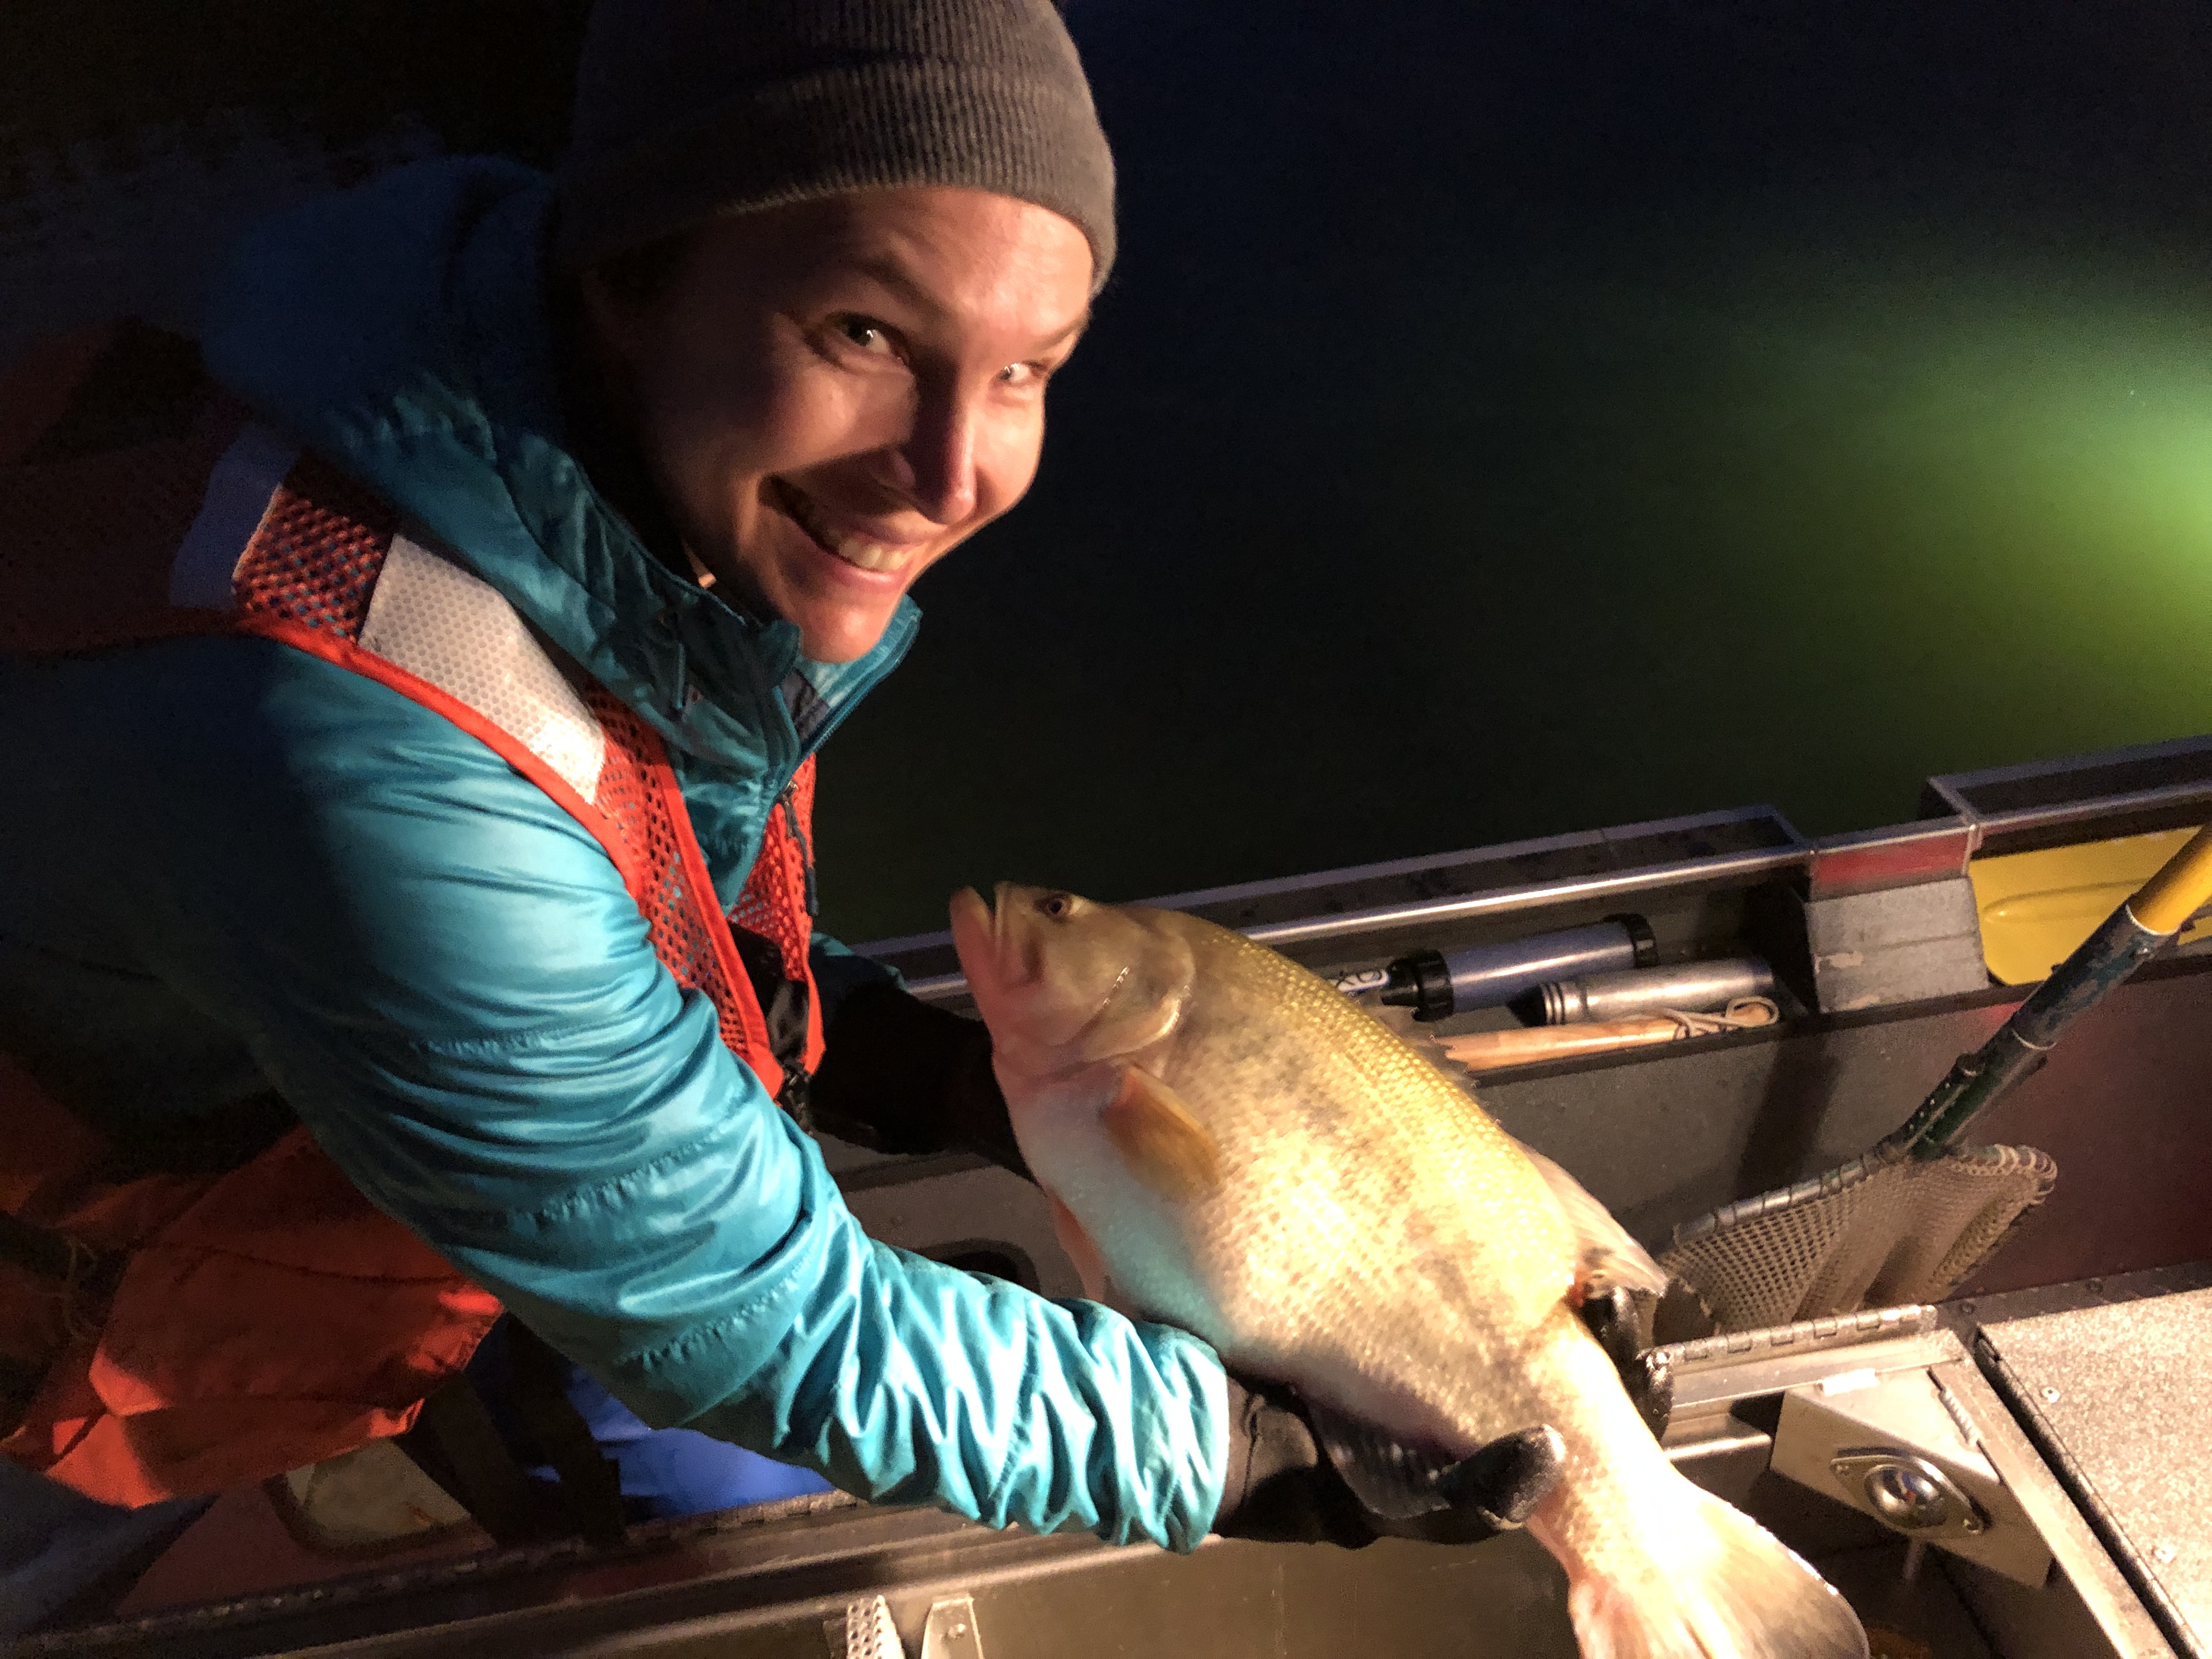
(1604, 1253)
(1160, 1142)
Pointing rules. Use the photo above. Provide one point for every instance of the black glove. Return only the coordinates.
(1621, 1324)
(1281, 1486)
(899, 1076)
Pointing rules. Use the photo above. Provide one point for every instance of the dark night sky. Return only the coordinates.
(1501, 423)
(1504, 419)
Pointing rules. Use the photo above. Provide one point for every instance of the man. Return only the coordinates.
(423, 818)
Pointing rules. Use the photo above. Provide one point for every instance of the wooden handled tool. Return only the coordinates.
(1495, 1051)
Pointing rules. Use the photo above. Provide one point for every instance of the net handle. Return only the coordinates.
(2126, 939)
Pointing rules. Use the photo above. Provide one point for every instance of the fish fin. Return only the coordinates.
(1400, 1481)
(1604, 1253)
(1081, 1249)
(1388, 1476)
(1731, 1588)
(1162, 1144)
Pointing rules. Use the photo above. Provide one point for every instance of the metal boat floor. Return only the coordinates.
(2119, 1401)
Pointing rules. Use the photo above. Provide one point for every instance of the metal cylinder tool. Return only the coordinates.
(1438, 984)
(1694, 986)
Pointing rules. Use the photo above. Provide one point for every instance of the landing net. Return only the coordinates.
(1883, 1231)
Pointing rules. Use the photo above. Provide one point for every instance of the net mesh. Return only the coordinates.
(1881, 1232)
(774, 902)
(676, 919)
(315, 558)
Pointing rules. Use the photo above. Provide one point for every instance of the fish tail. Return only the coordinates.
(1725, 1589)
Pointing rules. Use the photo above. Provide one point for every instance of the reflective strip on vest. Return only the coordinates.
(434, 619)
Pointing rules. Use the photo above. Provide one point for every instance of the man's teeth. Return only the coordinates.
(854, 550)
(871, 556)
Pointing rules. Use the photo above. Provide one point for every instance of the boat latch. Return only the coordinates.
(1901, 1447)
(950, 1632)
(1909, 1493)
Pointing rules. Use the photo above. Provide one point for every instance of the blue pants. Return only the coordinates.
(55, 1543)
(665, 1472)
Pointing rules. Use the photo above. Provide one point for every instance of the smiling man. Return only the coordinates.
(405, 877)
(833, 395)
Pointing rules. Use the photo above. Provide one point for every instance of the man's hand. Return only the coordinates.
(1618, 1324)
(900, 1076)
(1282, 1487)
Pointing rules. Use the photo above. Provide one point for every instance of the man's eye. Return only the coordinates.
(867, 335)
(1021, 374)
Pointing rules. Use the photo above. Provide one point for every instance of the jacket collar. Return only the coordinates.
(403, 330)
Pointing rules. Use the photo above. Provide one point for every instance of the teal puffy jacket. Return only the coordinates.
(226, 865)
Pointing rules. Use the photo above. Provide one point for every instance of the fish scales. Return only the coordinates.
(1247, 1154)
(1400, 1307)
(1393, 1216)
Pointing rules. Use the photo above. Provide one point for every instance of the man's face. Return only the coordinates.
(833, 396)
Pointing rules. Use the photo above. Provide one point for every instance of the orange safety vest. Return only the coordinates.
(191, 1332)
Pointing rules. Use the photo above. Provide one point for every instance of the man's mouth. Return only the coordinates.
(883, 557)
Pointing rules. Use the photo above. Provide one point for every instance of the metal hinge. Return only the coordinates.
(866, 1631)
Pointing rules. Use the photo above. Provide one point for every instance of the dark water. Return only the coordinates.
(1513, 420)
(1504, 419)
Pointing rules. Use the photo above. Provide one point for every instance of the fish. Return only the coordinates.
(1232, 1146)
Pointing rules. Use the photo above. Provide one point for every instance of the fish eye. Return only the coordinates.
(1056, 904)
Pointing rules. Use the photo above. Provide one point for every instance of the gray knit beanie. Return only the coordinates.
(689, 109)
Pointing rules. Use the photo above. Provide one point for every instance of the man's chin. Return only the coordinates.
(838, 620)
(844, 634)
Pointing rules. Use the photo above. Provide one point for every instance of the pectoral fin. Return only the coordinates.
(1604, 1253)
(1090, 1264)
(1160, 1142)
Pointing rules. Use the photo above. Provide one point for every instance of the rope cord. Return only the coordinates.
(1744, 1014)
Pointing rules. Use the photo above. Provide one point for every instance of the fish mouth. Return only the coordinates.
(976, 930)
(996, 947)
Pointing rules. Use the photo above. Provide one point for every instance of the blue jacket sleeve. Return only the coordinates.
(444, 974)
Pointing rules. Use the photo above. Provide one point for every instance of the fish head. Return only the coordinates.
(1062, 982)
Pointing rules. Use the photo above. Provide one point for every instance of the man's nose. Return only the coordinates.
(935, 467)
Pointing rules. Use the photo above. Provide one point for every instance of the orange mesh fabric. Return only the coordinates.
(774, 903)
(314, 563)
(681, 913)
(314, 559)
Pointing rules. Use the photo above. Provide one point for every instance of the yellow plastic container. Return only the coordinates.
(2037, 907)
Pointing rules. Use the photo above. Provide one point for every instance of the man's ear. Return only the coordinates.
(613, 326)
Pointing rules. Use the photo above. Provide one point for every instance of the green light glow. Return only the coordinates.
(1672, 517)
(1844, 524)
